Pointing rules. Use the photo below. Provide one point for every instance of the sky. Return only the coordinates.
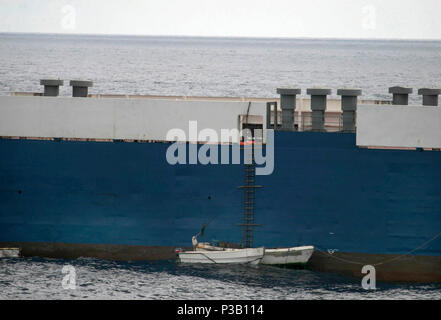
(380, 19)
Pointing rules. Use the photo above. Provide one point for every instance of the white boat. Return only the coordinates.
(205, 253)
(9, 252)
(230, 256)
(289, 257)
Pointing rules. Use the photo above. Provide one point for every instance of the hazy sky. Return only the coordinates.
(399, 19)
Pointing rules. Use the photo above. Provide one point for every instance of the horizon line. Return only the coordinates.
(219, 37)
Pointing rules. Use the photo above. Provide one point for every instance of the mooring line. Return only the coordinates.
(382, 262)
(208, 257)
(254, 260)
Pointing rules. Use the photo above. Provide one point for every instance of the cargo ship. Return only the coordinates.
(88, 176)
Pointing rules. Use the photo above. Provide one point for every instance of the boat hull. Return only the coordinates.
(289, 257)
(233, 256)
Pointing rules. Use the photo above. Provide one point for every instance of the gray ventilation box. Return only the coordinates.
(349, 107)
(318, 107)
(430, 96)
(80, 87)
(51, 87)
(288, 106)
(400, 95)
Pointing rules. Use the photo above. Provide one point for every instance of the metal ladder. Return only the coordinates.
(249, 189)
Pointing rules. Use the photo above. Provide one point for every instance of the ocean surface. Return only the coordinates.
(216, 66)
(32, 278)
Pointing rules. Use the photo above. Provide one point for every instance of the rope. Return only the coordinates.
(248, 111)
(254, 260)
(208, 257)
(385, 261)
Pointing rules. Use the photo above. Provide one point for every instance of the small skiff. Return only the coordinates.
(230, 256)
(290, 257)
(9, 252)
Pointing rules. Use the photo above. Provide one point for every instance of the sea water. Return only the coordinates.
(234, 67)
(85, 278)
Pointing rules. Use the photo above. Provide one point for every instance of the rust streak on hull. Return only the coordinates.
(389, 268)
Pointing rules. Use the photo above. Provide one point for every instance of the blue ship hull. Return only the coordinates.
(324, 191)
